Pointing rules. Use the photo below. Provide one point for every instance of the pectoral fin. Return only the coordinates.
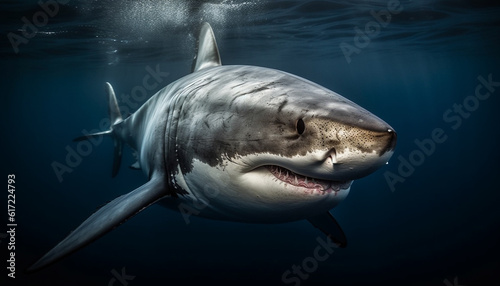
(105, 219)
(327, 224)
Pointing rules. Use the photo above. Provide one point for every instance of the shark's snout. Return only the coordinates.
(360, 153)
(392, 140)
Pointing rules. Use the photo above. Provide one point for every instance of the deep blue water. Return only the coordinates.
(440, 224)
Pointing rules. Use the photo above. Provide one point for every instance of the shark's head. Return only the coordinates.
(262, 144)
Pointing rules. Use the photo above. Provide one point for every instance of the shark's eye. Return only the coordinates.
(301, 126)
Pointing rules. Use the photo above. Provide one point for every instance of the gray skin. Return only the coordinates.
(239, 119)
(239, 143)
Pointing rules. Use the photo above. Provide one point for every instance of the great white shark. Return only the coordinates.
(250, 144)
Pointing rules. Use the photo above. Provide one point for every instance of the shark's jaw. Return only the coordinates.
(306, 184)
(260, 188)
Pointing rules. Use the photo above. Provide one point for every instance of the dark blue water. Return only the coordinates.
(430, 217)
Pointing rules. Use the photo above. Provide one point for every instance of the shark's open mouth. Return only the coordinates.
(308, 183)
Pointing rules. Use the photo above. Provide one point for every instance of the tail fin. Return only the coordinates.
(116, 118)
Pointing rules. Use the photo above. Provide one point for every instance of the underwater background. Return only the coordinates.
(431, 69)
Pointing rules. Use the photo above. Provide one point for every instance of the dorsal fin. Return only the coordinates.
(208, 53)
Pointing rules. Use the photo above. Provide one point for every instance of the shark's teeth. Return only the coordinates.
(298, 180)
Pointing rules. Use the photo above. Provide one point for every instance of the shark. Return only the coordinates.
(249, 144)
